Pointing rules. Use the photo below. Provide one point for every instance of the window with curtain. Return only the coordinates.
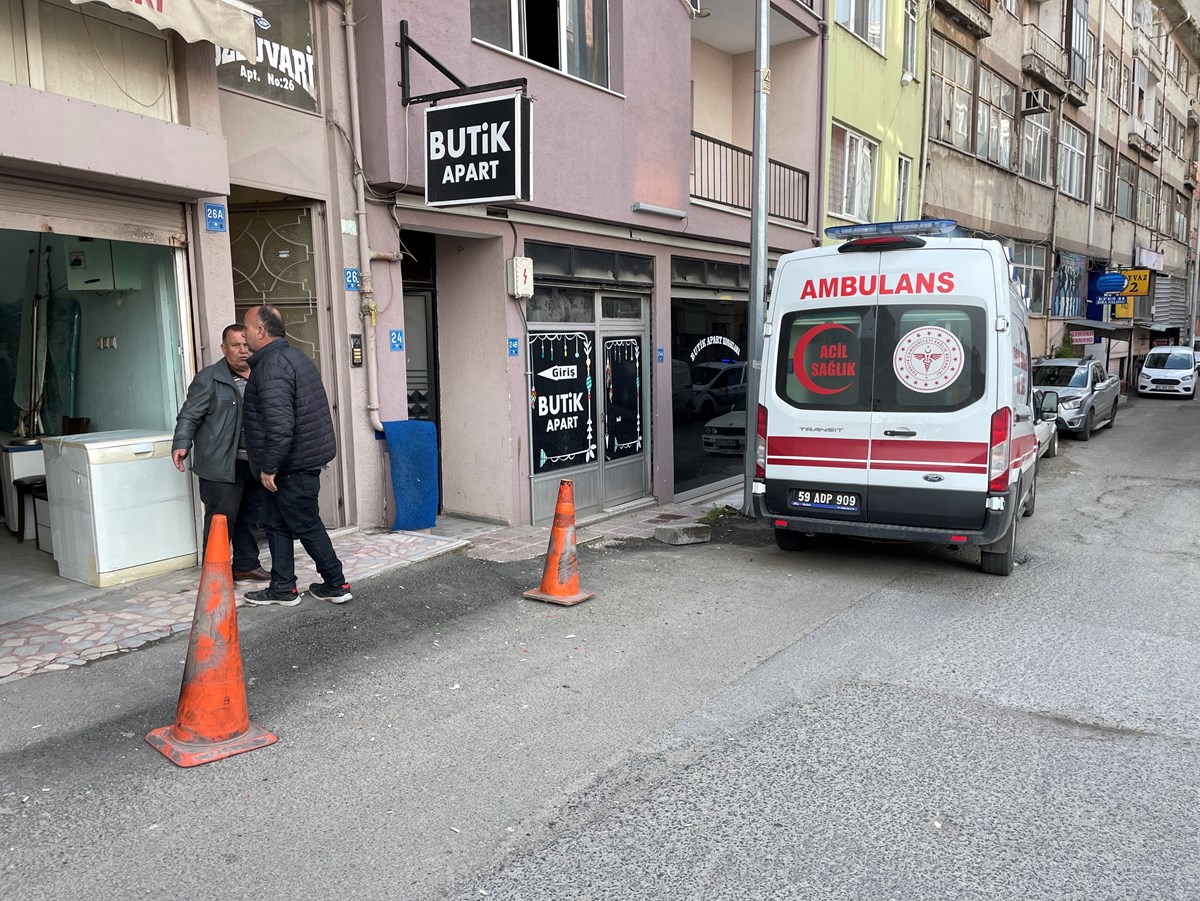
(995, 119)
(864, 18)
(952, 86)
(1035, 147)
(1104, 176)
(852, 175)
(1127, 171)
(1072, 161)
(1029, 265)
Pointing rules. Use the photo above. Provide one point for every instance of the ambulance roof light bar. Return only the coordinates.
(884, 229)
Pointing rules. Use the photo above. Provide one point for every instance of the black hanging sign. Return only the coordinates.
(561, 403)
(477, 151)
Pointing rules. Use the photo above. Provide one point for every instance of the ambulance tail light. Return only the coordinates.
(760, 444)
(1000, 458)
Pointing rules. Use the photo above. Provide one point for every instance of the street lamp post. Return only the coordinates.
(758, 240)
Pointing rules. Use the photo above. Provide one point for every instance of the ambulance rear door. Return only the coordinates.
(932, 398)
(818, 386)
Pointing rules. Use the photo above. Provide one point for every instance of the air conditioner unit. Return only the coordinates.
(1037, 101)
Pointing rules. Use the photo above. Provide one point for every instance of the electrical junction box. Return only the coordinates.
(94, 264)
(520, 277)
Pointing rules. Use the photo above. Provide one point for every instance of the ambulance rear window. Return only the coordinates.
(930, 358)
(825, 359)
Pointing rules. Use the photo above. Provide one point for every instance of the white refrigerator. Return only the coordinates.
(119, 509)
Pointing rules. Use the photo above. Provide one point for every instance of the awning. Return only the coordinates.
(228, 23)
(1116, 330)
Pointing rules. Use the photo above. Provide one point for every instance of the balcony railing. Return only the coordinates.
(724, 174)
(1045, 59)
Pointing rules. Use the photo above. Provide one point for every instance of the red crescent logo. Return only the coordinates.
(798, 358)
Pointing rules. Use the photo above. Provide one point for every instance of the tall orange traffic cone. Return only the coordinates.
(560, 578)
(212, 721)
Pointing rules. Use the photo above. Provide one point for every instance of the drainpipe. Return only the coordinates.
(823, 139)
(367, 306)
(1096, 130)
(923, 171)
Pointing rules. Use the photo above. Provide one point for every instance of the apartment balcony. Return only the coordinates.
(1147, 50)
(724, 174)
(1045, 60)
(973, 15)
(1144, 138)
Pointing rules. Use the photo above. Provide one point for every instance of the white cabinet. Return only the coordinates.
(119, 509)
(94, 264)
(16, 462)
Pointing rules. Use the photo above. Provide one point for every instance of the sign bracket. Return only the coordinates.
(406, 43)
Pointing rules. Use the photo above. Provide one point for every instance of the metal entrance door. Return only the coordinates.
(589, 408)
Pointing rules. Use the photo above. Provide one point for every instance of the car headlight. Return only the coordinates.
(1071, 403)
(709, 430)
(1188, 377)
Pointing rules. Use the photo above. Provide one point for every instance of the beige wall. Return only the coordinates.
(712, 92)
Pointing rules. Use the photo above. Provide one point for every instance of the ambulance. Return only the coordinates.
(895, 399)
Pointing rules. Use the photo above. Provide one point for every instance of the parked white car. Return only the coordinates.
(1045, 427)
(1168, 370)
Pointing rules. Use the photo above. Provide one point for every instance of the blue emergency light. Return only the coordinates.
(881, 229)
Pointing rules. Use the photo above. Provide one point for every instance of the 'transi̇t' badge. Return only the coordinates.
(929, 359)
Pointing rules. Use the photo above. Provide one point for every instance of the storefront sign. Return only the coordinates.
(283, 65)
(561, 402)
(214, 218)
(1137, 282)
(714, 341)
(1150, 259)
(477, 151)
(1083, 337)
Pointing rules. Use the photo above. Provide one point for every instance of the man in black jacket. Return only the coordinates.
(289, 437)
(209, 429)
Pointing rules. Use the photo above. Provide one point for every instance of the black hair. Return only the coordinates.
(271, 321)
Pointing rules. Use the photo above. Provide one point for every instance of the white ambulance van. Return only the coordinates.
(895, 398)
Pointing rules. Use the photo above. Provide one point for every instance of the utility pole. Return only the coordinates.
(758, 241)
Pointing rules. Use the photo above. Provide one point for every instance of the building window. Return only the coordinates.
(851, 175)
(1166, 208)
(995, 119)
(1035, 147)
(903, 187)
(864, 18)
(911, 9)
(1072, 161)
(1127, 171)
(1078, 41)
(1029, 265)
(1126, 98)
(568, 35)
(953, 77)
(1145, 198)
(1109, 85)
(1104, 176)
(1181, 230)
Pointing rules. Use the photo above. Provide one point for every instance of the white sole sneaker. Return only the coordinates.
(336, 596)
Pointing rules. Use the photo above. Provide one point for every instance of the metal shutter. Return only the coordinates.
(30, 205)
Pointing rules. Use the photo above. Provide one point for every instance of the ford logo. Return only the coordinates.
(933, 477)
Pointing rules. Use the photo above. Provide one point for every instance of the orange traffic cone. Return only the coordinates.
(560, 578)
(212, 721)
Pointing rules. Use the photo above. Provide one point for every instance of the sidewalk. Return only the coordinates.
(129, 616)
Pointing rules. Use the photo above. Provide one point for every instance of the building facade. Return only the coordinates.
(1068, 131)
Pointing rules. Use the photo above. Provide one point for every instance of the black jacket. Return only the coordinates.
(287, 421)
(208, 423)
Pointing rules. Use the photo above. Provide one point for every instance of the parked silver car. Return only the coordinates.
(1087, 395)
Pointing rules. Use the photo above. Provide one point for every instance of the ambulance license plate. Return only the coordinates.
(835, 501)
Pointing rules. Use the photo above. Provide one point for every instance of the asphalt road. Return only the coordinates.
(721, 721)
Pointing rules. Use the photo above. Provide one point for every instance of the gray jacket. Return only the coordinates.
(209, 423)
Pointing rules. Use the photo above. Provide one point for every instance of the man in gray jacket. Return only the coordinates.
(209, 426)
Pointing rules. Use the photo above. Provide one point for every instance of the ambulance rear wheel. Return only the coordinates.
(787, 540)
(997, 559)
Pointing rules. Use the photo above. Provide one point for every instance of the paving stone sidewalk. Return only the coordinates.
(129, 616)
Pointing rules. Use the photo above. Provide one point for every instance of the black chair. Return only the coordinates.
(33, 487)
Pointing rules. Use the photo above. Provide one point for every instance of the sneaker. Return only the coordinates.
(335, 594)
(272, 596)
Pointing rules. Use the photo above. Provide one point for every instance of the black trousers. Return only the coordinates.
(293, 514)
(241, 502)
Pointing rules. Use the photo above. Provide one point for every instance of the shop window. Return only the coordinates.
(596, 264)
(633, 269)
(568, 35)
(1029, 267)
(286, 69)
(621, 307)
(549, 259)
(1070, 284)
(551, 304)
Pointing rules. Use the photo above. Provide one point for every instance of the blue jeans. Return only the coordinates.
(293, 514)
(241, 503)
